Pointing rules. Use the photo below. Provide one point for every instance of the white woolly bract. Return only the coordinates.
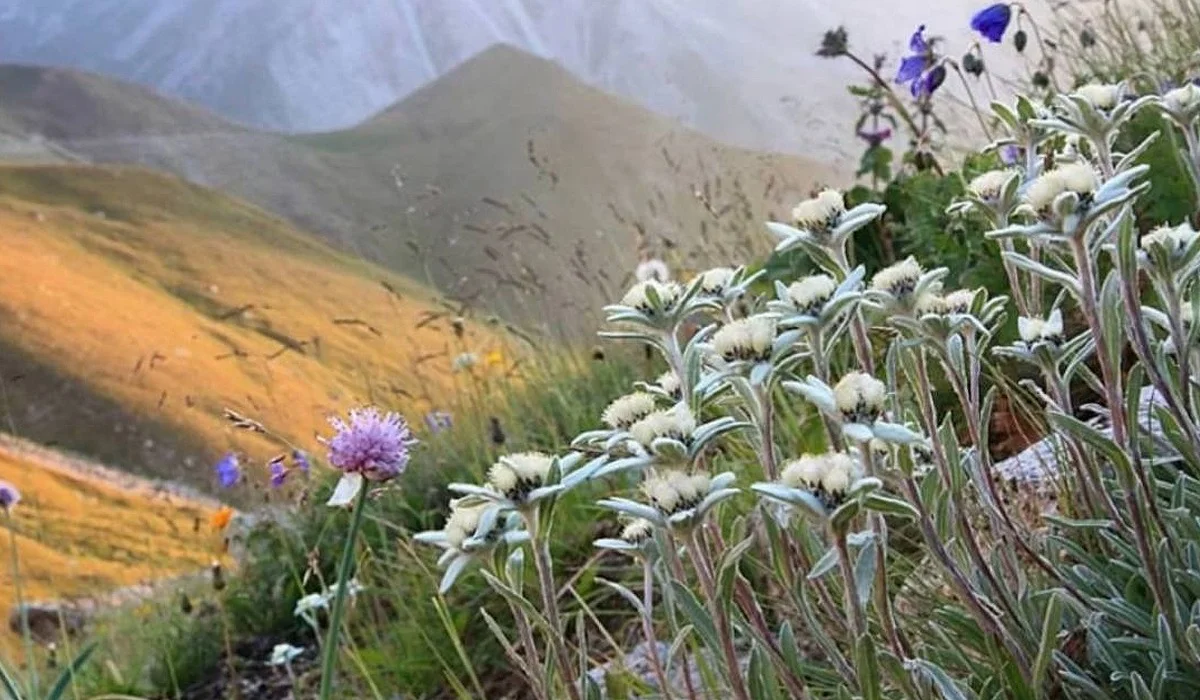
(819, 213)
(676, 422)
(859, 395)
(1182, 99)
(811, 293)
(715, 281)
(1174, 238)
(989, 184)
(462, 523)
(898, 279)
(628, 409)
(1100, 96)
(652, 269)
(1032, 330)
(668, 293)
(745, 339)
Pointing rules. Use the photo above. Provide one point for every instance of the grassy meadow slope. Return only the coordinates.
(134, 307)
(507, 183)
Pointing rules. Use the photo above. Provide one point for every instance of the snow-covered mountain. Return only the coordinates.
(742, 71)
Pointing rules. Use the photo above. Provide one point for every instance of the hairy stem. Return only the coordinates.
(648, 627)
(329, 664)
(704, 573)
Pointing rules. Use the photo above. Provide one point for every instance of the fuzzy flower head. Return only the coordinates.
(931, 304)
(676, 423)
(463, 522)
(714, 282)
(898, 280)
(992, 21)
(1036, 330)
(990, 185)
(1183, 100)
(516, 475)
(810, 294)
(1101, 96)
(959, 301)
(638, 295)
(675, 491)
(9, 496)
(372, 444)
(1079, 178)
(652, 269)
(228, 470)
(860, 397)
(637, 531)
(820, 214)
(828, 476)
(628, 409)
(1172, 239)
(746, 339)
(670, 385)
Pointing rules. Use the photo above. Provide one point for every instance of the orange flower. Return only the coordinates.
(220, 518)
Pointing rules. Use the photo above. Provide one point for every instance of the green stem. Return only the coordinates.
(541, 562)
(329, 664)
(26, 633)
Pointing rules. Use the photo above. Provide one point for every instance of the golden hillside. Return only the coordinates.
(135, 307)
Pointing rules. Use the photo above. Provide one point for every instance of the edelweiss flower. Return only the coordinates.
(628, 409)
(670, 385)
(652, 269)
(1034, 330)
(676, 423)
(1183, 99)
(714, 281)
(828, 476)
(1074, 177)
(821, 213)
(1103, 97)
(860, 397)
(1174, 239)
(676, 491)
(810, 294)
(637, 297)
(516, 475)
(463, 522)
(898, 280)
(637, 531)
(931, 304)
(959, 301)
(748, 339)
(284, 654)
(989, 185)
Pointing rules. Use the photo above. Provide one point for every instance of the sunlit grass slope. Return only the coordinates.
(135, 307)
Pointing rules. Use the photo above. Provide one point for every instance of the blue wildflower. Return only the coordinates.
(992, 21)
(9, 496)
(437, 421)
(279, 473)
(301, 460)
(229, 471)
(1010, 154)
(918, 69)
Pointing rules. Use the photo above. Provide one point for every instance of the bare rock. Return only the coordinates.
(48, 622)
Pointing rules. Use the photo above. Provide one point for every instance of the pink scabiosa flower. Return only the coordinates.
(369, 446)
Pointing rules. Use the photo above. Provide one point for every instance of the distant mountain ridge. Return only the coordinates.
(743, 72)
(507, 183)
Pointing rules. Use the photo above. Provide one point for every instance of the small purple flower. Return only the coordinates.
(1010, 154)
(992, 21)
(928, 83)
(373, 445)
(9, 496)
(301, 460)
(913, 65)
(437, 421)
(279, 473)
(229, 471)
